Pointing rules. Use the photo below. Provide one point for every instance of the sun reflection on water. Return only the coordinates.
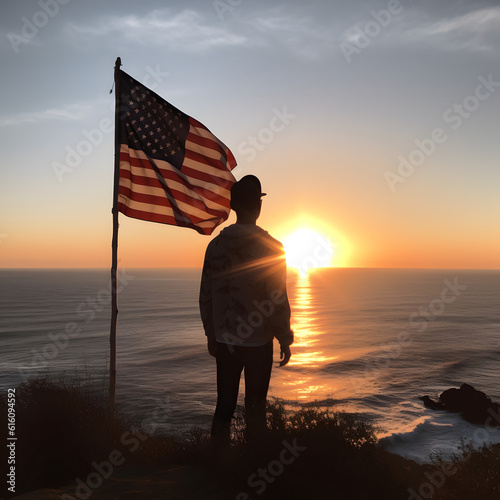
(305, 350)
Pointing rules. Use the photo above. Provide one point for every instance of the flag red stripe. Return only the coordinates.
(189, 172)
(213, 162)
(197, 129)
(204, 141)
(154, 201)
(210, 180)
(164, 219)
(167, 174)
(221, 177)
(163, 201)
(161, 212)
(204, 193)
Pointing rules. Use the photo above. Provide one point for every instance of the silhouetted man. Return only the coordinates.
(244, 305)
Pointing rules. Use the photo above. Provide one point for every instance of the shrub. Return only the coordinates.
(61, 427)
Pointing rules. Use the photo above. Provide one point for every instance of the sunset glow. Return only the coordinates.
(384, 151)
(306, 249)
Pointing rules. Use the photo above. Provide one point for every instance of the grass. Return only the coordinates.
(64, 429)
(61, 428)
(472, 473)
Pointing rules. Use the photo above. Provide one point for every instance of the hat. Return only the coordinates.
(246, 192)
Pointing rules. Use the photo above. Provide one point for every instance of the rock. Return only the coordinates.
(429, 403)
(474, 405)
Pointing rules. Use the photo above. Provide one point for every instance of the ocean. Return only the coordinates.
(369, 341)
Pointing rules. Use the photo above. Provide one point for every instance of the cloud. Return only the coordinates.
(71, 112)
(189, 31)
(185, 30)
(302, 35)
(474, 31)
(446, 29)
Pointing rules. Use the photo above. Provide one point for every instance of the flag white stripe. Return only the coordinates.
(203, 150)
(206, 134)
(187, 208)
(183, 205)
(215, 173)
(179, 184)
(157, 209)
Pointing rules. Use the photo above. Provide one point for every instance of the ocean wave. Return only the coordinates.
(320, 403)
(350, 366)
(441, 434)
(354, 317)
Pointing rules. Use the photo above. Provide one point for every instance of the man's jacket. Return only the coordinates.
(243, 299)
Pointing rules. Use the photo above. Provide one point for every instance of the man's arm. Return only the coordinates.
(285, 354)
(280, 319)
(205, 303)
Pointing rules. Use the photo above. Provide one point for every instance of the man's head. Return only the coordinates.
(246, 197)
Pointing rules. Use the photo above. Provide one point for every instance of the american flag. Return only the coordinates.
(173, 170)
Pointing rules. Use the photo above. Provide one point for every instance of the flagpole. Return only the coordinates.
(114, 246)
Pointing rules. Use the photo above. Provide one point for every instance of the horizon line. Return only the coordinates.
(288, 267)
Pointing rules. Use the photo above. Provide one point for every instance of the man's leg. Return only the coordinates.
(258, 366)
(229, 368)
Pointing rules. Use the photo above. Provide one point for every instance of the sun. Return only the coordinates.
(306, 249)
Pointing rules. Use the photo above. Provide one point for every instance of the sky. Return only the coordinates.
(373, 124)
